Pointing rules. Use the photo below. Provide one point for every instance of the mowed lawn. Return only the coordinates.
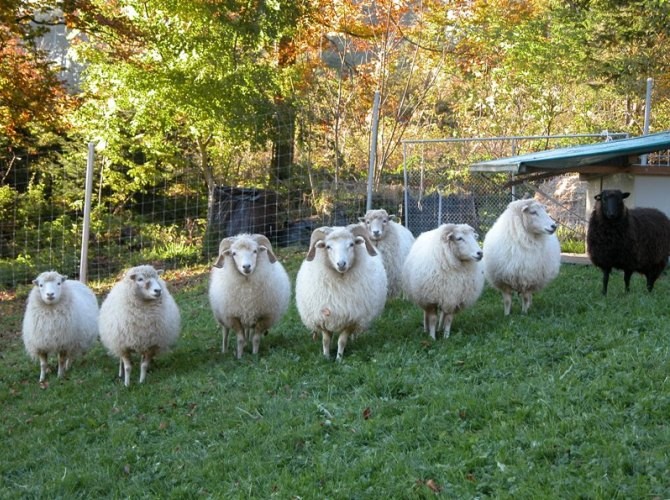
(569, 401)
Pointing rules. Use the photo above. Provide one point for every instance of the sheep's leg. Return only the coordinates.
(224, 345)
(526, 301)
(127, 368)
(627, 274)
(241, 342)
(121, 368)
(62, 363)
(44, 366)
(325, 341)
(606, 279)
(256, 341)
(440, 320)
(341, 344)
(653, 274)
(447, 318)
(507, 302)
(430, 318)
(147, 358)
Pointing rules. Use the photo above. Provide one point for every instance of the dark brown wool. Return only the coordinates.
(633, 240)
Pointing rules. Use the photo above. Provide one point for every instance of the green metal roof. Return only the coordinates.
(613, 153)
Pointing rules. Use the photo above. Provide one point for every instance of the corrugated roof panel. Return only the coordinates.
(571, 158)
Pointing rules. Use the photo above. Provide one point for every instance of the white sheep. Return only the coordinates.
(521, 252)
(61, 318)
(393, 240)
(442, 274)
(341, 284)
(139, 315)
(248, 292)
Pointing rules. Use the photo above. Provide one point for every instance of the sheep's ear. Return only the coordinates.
(318, 235)
(312, 249)
(624, 195)
(133, 276)
(160, 272)
(361, 232)
(224, 249)
(393, 218)
(271, 256)
(361, 219)
(264, 244)
(447, 232)
(35, 282)
(598, 197)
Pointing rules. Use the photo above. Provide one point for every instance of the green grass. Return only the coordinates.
(571, 401)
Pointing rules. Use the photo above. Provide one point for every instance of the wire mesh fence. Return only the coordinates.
(172, 220)
(441, 188)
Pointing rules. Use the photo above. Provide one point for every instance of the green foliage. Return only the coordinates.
(566, 401)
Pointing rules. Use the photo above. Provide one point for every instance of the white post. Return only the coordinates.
(647, 114)
(373, 148)
(83, 263)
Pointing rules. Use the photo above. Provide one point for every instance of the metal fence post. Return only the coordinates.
(83, 262)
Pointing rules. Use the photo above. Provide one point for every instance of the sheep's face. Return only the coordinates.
(610, 203)
(462, 242)
(340, 246)
(376, 222)
(50, 285)
(535, 218)
(244, 253)
(244, 250)
(146, 282)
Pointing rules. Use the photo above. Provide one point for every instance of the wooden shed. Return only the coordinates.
(640, 165)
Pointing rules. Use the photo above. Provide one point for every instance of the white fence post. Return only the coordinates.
(83, 262)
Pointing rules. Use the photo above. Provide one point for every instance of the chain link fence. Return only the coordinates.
(439, 187)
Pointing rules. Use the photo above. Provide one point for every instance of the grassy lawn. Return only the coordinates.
(570, 401)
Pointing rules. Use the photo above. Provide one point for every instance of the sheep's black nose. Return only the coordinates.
(157, 292)
(375, 234)
(247, 268)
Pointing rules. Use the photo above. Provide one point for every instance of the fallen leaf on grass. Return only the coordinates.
(433, 486)
(367, 413)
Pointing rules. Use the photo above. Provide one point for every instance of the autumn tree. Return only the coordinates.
(33, 100)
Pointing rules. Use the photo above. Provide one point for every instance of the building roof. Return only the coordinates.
(613, 153)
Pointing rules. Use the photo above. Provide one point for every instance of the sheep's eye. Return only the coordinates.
(351, 244)
(140, 279)
(328, 247)
(255, 251)
(385, 221)
(533, 212)
(460, 238)
(234, 254)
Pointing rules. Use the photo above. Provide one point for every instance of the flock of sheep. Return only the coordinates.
(343, 282)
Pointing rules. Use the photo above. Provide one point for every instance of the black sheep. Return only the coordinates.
(633, 240)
